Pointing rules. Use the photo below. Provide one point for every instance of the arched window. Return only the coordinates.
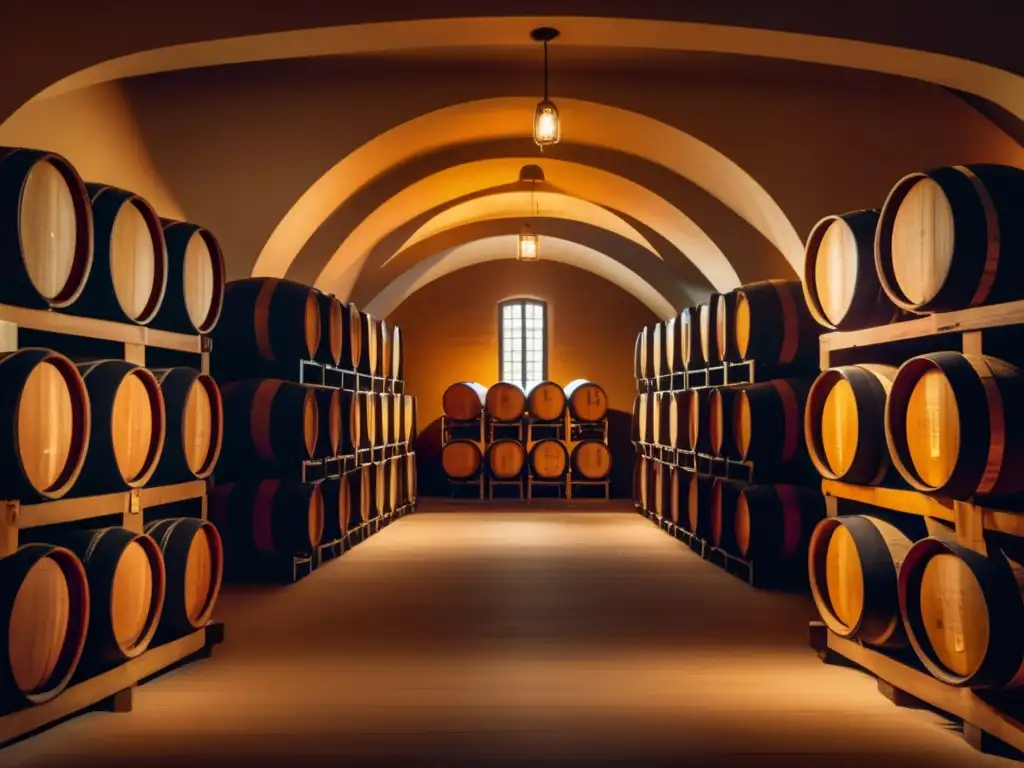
(523, 341)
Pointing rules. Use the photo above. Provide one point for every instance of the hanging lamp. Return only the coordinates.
(547, 127)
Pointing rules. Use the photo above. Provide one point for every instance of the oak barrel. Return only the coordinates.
(127, 584)
(662, 490)
(194, 297)
(351, 423)
(645, 354)
(679, 420)
(963, 613)
(195, 425)
(549, 460)
(194, 563)
(725, 327)
(708, 330)
(844, 423)
(646, 416)
(384, 334)
(351, 337)
(364, 421)
(505, 402)
(269, 422)
(46, 416)
(951, 238)
(659, 357)
(362, 496)
(461, 459)
(588, 402)
(337, 507)
(673, 345)
(699, 420)
(773, 325)
(841, 285)
(128, 279)
(384, 486)
(698, 505)
(397, 355)
(546, 401)
(369, 360)
(721, 439)
(46, 229)
(45, 596)
(853, 563)
(267, 518)
(411, 478)
(772, 524)
(398, 419)
(464, 401)
(329, 426)
(722, 513)
(328, 351)
(767, 423)
(591, 460)
(689, 335)
(660, 417)
(679, 490)
(385, 426)
(506, 459)
(409, 417)
(952, 423)
(267, 322)
(129, 426)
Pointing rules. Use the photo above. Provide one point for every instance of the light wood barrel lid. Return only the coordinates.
(839, 424)
(460, 458)
(200, 275)
(310, 421)
(844, 577)
(954, 613)
(39, 624)
(835, 270)
(548, 458)
(933, 428)
(48, 224)
(741, 328)
(742, 426)
(201, 566)
(589, 402)
(592, 458)
(505, 401)
(46, 426)
(134, 266)
(131, 596)
(506, 458)
(201, 425)
(922, 241)
(693, 417)
(316, 516)
(136, 424)
(547, 401)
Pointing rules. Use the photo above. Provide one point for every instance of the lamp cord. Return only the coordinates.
(545, 70)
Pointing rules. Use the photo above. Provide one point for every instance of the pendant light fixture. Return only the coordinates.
(529, 241)
(546, 125)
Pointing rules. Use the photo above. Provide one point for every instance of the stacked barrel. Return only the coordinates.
(549, 437)
(90, 435)
(304, 463)
(925, 422)
(721, 456)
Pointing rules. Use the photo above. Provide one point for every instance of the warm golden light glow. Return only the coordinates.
(547, 128)
(529, 246)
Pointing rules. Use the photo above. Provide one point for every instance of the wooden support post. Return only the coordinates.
(120, 702)
(135, 353)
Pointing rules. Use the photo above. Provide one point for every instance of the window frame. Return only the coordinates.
(523, 302)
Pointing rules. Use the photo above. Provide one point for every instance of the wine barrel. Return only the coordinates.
(384, 334)
(329, 426)
(409, 417)
(679, 420)
(952, 237)
(689, 333)
(46, 229)
(385, 427)
(648, 485)
(679, 489)
(46, 416)
(708, 322)
(952, 424)
(397, 355)
(398, 419)
(194, 563)
(506, 459)
(411, 478)
(841, 285)
(660, 416)
(549, 460)
(772, 524)
(364, 421)
(647, 417)
(461, 459)
(591, 460)
(505, 402)
(351, 422)
(546, 401)
(662, 490)
(722, 513)
(659, 357)
(698, 505)
(699, 424)
(963, 613)
(464, 401)
(588, 402)
(720, 410)
(267, 322)
(127, 583)
(853, 563)
(844, 423)
(384, 487)
(645, 353)
(328, 351)
(767, 422)
(673, 346)
(269, 422)
(773, 325)
(195, 279)
(637, 350)
(195, 425)
(129, 425)
(362, 496)
(351, 337)
(268, 518)
(45, 596)
(128, 278)
(369, 361)
(337, 507)
(725, 327)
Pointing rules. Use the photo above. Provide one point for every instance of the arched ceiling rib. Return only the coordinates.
(503, 247)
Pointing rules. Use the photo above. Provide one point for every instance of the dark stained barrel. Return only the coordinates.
(369, 360)
(661, 417)
(699, 413)
(725, 327)
(195, 425)
(464, 401)
(767, 423)
(267, 518)
(679, 420)
(337, 507)
(951, 238)
(46, 229)
(328, 351)
(329, 426)
(362, 496)
(698, 505)
(773, 325)
(708, 321)
(689, 338)
(673, 345)
(660, 358)
(195, 279)
(772, 524)
(194, 564)
(721, 402)
(722, 513)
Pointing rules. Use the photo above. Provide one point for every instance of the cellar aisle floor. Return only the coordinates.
(507, 635)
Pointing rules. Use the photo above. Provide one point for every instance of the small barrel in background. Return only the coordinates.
(841, 286)
(369, 360)
(337, 507)
(267, 519)
(698, 505)
(506, 459)
(328, 351)
(464, 401)
(505, 402)
(772, 525)
(194, 564)
(689, 335)
(46, 416)
(361, 496)
(397, 355)
(767, 423)
(660, 419)
(546, 401)
(699, 420)
(46, 229)
(844, 423)
(329, 426)
(587, 401)
(195, 279)
(679, 420)
(951, 238)
(351, 337)
(461, 459)
(195, 425)
(659, 355)
(44, 598)
(129, 425)
(725, 327)
(773, 325)
(708, 322)
(673, 345)
(128, 279)
(952, 423)
(549, 460)
(722, 513)
(268, 422)
(591, 460)
(384, 334)
(721, 402)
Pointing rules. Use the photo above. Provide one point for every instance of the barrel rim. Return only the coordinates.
(156, 448)
(156, 231)
(217, 572)
(809, 282)
(217, 413)
(156, 606)
(816, 396)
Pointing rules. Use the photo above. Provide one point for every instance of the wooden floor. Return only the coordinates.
(510, 636)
